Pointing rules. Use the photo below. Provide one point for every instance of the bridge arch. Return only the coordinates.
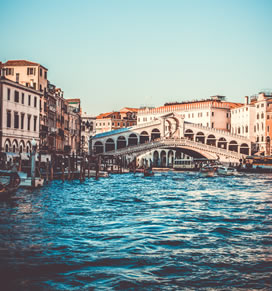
(121, 142)
(98, 147)
(200, 137)
(109, 145)
(189, 134)
(233, 146)
(155, 158)
(222, 143)
(144, 137)
(163, 158)
(211, 140)
(132, 139)
(244, 149)
(170, 158)
(155, 133)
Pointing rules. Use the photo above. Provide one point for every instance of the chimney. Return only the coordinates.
(246, 100)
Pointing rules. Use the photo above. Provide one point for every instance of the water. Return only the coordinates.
(173, 231)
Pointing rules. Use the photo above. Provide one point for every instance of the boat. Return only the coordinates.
(257, 164)
(9, 182)
(27, 181)
(207, 171)
(148, 172)
(185, 165)
(226, 171)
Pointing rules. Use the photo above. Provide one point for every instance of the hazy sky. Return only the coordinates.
(117, 53)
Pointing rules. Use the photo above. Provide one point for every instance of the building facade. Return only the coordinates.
(20, 116)
(213, 112)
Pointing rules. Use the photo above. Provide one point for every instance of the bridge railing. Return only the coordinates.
(176, 142)
(221, 131)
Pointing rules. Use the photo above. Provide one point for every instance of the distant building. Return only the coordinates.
(87, 130)
(126, 117)
(213, 112)
(243, 120)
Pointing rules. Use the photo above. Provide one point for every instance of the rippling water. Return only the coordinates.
(173, 231)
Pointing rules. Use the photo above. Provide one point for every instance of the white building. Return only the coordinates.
(88, 124)
(20, 116)
(212, 113)
(250, 119)
(243, 120)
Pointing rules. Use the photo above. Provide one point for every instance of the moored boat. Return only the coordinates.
(9, 182)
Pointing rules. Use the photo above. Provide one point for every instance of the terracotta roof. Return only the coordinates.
(21, 63)
(103, 115)
(126, 109)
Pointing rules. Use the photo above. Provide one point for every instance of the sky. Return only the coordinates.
(122, 53)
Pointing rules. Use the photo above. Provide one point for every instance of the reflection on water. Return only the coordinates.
(170, 231)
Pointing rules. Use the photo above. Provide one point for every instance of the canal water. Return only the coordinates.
(173, 231)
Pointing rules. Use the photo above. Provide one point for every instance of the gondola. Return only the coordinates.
(9, 182)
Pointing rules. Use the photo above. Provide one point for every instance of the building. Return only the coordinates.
(263, 103)
(74, 125)
(126, 117)
(87, 130)
(20, 116)
(32, 75)
(243, 119)
(213, 112)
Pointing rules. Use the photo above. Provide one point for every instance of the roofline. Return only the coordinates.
(30, 65)
(4, 80)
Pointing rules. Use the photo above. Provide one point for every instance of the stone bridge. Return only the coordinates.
(171, 132)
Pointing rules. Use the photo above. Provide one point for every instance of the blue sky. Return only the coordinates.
(113, 54)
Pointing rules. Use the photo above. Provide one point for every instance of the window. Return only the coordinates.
(9, 71)
(212, 113)
(262, 105)
(35, 123)
(16, 120)
(35, 101)
(41, 88)
(192, 115)
(8, 94)
(31, 71)
(8, 118)
(17, 77)
(22, 120)
(23, 98)
(268, 116)
(41, 72)
(246, 129)
(207, 113)
(16, 96)
(258, 116)
(257, 106)
(40, 105)
(28, 122)
(212, 125)
(45, 74)
(262, 116)
(29, 100)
